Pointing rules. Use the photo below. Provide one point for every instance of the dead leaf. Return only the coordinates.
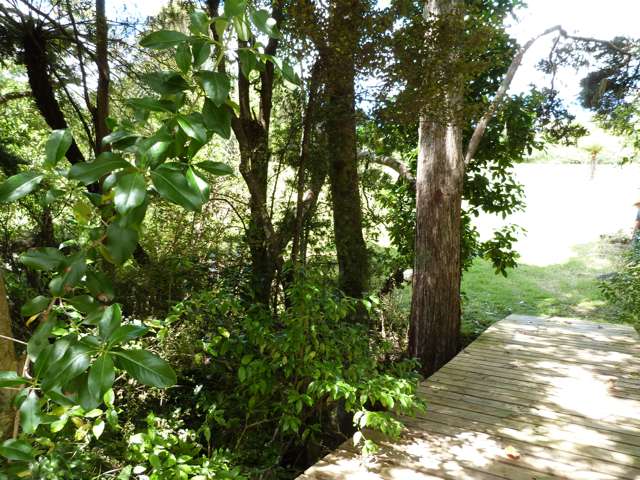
(512, 452)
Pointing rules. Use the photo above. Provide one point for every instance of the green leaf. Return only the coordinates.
(242, 27)
(172, 185)
(11, 379)
(162, 39)
(40, 339)
(83, 303)
(89, 172)
(17, 450)
(234, 7)
(165, 83)
(127, 332)
(119, 138)
(198, 184)
(30, 416)
(216, 168)
(110, 321)
(263, 22)
(75, 361)
(248, 61)
(47, 259)
(153, 104)
(183, 57)
(201, 52)
(216, 86)
(130, 191)
(217, 119)
(101, 376)
(98, 428)
(100, 286)
(18, 186)
(57, 145)
(289, 74)
(192, 128)
(35, 305)
(199, 23)
(121, 243)
(74, 272)
(146, 367)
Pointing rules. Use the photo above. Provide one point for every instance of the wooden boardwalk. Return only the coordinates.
(531, 399)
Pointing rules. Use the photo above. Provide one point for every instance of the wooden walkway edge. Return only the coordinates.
(531, 399)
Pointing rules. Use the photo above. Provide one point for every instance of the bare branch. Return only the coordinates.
(394, 163)
(478, 133)
(7, 97)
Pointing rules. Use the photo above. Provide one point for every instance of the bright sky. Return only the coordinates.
(592, 18)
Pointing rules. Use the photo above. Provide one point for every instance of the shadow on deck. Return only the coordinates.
(531, 398)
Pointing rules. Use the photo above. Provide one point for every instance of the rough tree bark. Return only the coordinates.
(435, 305)
(435, 308)
(340, 125)
(102, 62)
(7, 362)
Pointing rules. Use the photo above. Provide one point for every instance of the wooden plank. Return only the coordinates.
(564, 394)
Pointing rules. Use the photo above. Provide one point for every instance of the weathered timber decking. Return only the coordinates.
(531, 399)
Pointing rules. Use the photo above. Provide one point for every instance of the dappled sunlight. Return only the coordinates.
(532, 398)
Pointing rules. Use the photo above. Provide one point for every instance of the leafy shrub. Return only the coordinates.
(623, 289)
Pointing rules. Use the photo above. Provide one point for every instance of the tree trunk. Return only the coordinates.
(7, 362)
(102, 62)
(435, 306)
(343, 38)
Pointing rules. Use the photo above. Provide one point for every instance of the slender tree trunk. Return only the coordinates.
(343, 38)
(435, 307)
(7, 362)
(102, 62)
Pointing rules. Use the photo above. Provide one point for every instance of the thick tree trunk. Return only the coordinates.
(37, 63)
(435, 305)
(340, 127)
(7, 362)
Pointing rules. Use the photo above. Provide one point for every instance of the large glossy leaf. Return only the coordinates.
(47, 258)
(234, 7)
(192, 127)
(162, 39)
(18, 186)
(18, 450)
(30, 416)
(40, 338)
(216, 168)
(198, 184)
(74, 361)
(216, 86)
(183, 57)
(119, 138)
(57, 145)
(153, 104)
(201, 51)
(127, 332)
(146, 367)
(166, 83)
(101, 376)
(121, 242)
(11, 379)
(110, 321)
(100, 286)
(263, 21)
(130, 191)
(173, 186)
(199, 23)
(217, 119)
(35, 305)
(89, 172)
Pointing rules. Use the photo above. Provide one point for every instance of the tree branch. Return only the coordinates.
(394, 163)
(7, 97)
(478, 133)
